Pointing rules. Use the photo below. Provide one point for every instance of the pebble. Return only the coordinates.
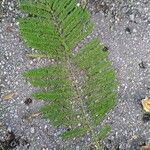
(128, 30)
(32, 130)
(1, 36)
(77, 147)
(134, 30)
(9, 129)
(132, 17)
(17, 23)
(142, 64)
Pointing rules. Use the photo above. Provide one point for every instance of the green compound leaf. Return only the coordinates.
(79, 89)
(54, 27)
(78, 132)
(104, 132)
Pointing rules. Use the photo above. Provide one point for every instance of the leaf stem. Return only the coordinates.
(83, 109)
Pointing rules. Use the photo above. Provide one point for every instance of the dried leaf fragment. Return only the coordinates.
(9, 96)
(9, 29)
(146, 147)
(146, 104)
(30, 116)
(36, 114)
(32, 56)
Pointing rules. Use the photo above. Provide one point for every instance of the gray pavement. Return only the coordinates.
(124, 27)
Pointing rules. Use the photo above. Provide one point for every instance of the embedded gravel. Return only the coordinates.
(124, 27)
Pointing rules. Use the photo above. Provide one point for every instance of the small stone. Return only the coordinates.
(79, 124)
(78, 116)
(78, 4)
(31, 62)
(32, 130)
(77, 147)
(17, 23)
(146, 117)
(45, 127)
(132, 17)
(128, 30)
(2, 36)
(142, 65)
(134, 30)
(9, 129)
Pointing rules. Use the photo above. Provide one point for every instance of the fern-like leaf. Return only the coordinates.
(104, 131)
(80, 89)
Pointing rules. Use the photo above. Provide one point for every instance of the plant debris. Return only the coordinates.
(146, 117)
(9, 96)
(146, 147)
(30, 116)
(28, 101)
(146, 104)
(142, 65)
(25, 142)
(101, 7)
(9, 29)
(10, 142)
(137, 143)
(105, 49)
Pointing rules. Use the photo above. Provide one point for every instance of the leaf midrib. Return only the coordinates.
(67, 59)
(84, 112)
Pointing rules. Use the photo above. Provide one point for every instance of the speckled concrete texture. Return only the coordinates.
(124, 27)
